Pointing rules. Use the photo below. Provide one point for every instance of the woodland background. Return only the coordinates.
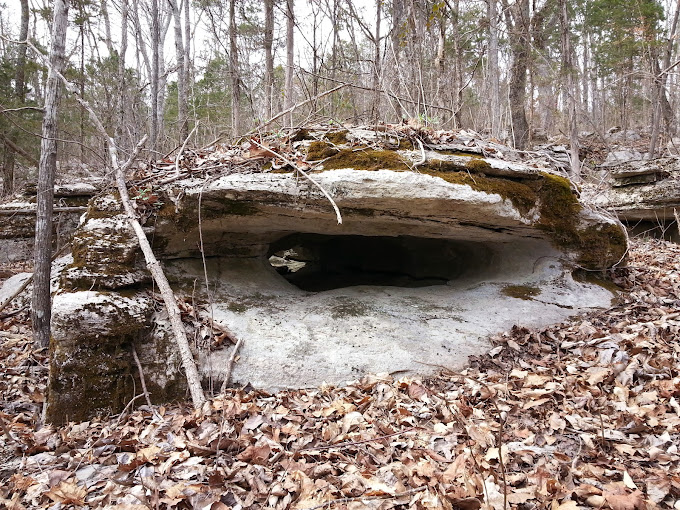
(518, 71)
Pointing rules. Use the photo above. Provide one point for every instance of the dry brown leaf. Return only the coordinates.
(67, 493)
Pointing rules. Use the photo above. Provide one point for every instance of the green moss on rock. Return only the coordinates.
(368, 159)
(320, 150)
(526, 292)
(337, 137)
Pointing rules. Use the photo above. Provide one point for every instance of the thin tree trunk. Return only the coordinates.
(377, 67)
(188, 69)
(121, 73)
(41, 309)
(155, 49)
(518, 73)
(268, 58)
(234, 71)
(395, 39)
(107, 26)
(182, 102)
(494, 71)
(568, 73)
(290, 51)
(20, 94)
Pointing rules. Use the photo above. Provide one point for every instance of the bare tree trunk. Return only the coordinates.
(395, 39)
(41, 309)
(104, 9)
(661, 104)
(234, 71)
(20, 94)
(120, 131)
(494, 71)
(155, 66)
(290, 51)
(268, 58)
(182, 101)
(377, 67)
(518, 73)
(188, 69)
(568, 73)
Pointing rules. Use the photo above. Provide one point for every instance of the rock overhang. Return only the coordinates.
(518, 231)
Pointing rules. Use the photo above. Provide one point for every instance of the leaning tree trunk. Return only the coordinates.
(41, 311)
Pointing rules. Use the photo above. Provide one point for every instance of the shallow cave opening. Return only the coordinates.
(317, 262)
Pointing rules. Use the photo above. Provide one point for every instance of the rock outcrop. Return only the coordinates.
(17, 219)
(642, 193)
(444, 241)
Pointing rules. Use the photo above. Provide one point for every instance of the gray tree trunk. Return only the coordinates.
(268, 58)
(155, 66)
(518, 73)
(182, 100)
(494, 71)
(234, 71)
(41, 309)
(120, 131)
(568, 74)
(290, 52)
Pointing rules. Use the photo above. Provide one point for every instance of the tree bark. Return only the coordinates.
(268, 58)
(120, 121)
(290, 52)
(234, 71)
(182, 100)
(494, 71)
(41, 309)
(518, 73)
(20, 94)
(155, 66)
(568, 74)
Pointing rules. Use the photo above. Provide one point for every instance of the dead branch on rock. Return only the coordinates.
(305, 174)
(152, 264)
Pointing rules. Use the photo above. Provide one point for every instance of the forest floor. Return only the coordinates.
(581, 414)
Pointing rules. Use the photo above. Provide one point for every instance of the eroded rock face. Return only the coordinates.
(434, 254)
(17, 219)
(642, 193)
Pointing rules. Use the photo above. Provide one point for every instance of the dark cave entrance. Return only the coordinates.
(316, 262)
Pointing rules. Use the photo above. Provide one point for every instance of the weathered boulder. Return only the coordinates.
(438, 249)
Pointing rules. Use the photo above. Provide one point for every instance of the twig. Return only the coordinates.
(294, 107)
(296, 167)
(370, 498)
(179, 155)
(677, 219)
(230, 365)
(143, 381)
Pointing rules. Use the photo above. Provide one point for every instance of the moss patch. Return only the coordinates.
(521, 195)
(525, 292)
(320, 150)
(301, 135)
(337, 137)
(596, 278)
(368, 159)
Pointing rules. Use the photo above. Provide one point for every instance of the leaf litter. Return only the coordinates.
(584, 414)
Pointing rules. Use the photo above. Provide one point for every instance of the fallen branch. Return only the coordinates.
(230, 365)
(152, 264)
(142, 379)
(296, 167)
